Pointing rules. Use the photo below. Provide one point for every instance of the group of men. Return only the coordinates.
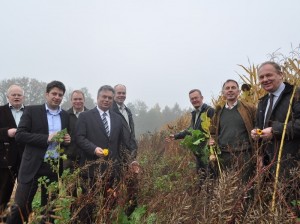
(27, 144)
(237, 125)
(27, 133)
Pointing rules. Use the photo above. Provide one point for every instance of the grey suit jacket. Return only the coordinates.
(33, 131)
(90, 134)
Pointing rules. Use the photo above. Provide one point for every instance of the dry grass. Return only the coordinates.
(179, 200)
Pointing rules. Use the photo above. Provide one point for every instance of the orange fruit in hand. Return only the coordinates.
(105, 152)
(258, 131)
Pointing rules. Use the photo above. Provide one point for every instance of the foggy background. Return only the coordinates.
(160, 49)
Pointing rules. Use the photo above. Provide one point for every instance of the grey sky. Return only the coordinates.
(160, 49)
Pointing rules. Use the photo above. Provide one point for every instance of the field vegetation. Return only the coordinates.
(168, 186)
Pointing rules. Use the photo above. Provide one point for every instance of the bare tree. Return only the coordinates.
(89, 102)
(34, 89)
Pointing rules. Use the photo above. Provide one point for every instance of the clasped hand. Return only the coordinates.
(265, 134)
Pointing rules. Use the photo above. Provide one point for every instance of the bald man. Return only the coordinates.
(10, 150)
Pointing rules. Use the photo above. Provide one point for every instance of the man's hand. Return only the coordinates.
(99, 152)
(211, 142)
(254, 134)
(67, 139)
(170, 138)
(265, 134)
(11, 132)
(51, 136)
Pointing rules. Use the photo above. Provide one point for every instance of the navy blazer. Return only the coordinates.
(33, 131)
(90, 134)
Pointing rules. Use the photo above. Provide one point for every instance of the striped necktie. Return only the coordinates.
(105, 123)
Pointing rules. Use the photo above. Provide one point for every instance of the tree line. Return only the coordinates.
(146, 119)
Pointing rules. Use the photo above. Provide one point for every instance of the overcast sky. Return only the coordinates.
(160, 49)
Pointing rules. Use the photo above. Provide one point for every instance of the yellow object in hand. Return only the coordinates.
(258, 131)
(105, 152)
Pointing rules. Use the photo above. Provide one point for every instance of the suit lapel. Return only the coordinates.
(112, 122)
(43, 117)
(9, 115)
(63, 118)
(98, 120)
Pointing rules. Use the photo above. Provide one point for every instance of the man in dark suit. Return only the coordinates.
(196, 100)
(72, 151)
(10, 150)
(96, 130)
(271, 117)
(38, 125)
(128, 125)
(128, 128)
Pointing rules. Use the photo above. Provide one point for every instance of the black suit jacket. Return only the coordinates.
(196, 125)
(128, 130)
(10, 150)
(72, 151)
(90, 133)
(291, 147)
(33, 131)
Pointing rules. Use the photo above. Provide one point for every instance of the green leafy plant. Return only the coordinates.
(197, 140)
(59, 136)
(193, 142)
(136, 217)
(63, 201)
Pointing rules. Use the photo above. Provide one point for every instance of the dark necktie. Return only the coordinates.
(268, 115)
(197, 114)
(105, 123)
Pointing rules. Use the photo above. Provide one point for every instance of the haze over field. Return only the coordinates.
(160, 49)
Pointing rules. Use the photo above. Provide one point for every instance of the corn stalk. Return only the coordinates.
(281, 149)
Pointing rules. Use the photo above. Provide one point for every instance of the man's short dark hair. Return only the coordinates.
(274, 64)
(195, 90)
(56, 84)
(230, 80)
(106, 88)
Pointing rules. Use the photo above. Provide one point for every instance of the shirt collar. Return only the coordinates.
(102, 112)
(279, 90)
(54, 112)
(228, 107)
(75, 112)
(121, 107)
(198, 109)
(12, 107)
